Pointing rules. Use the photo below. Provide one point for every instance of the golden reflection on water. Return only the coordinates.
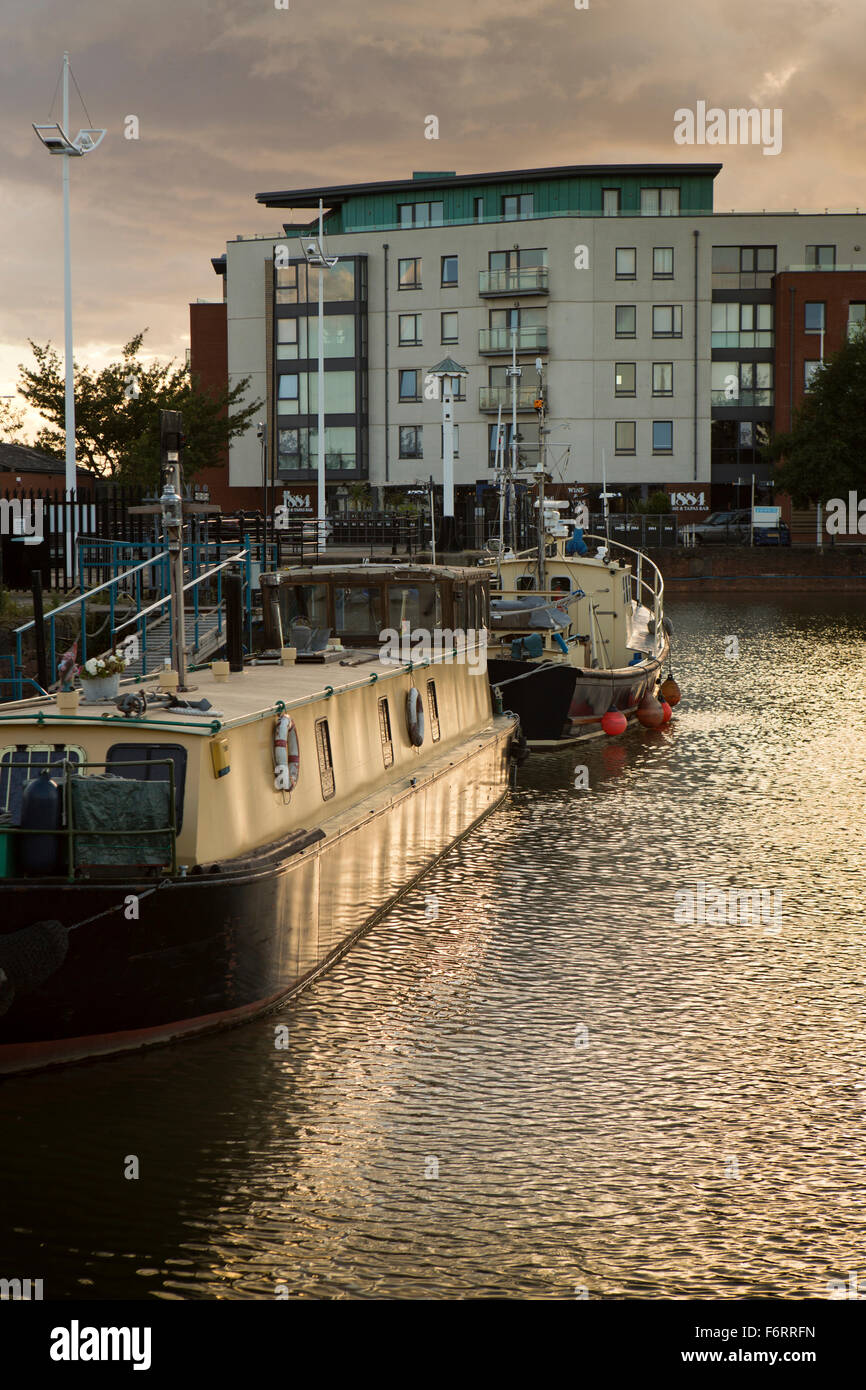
(612, 1100)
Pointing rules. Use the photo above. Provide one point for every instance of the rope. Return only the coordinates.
(542, 666)
(85, 922)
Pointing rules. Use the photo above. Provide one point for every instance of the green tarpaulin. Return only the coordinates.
(110, 804)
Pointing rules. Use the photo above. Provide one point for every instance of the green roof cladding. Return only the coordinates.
(572, 190)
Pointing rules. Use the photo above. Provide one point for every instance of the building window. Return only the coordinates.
(624, 436)
(410, 273)
(449, 326)
(410, 442)
(456, 432)
(856, 318)
(409, 384)
(449, 270)
(506, 444)
(420, 214)
(624, 374)
(821, 257)
(385, 732)
(479, 209)
(742, 325)
(815, 314)
(663, 263)
(809, 370)
(659, 202)
(326, 761)
(517, 205)
(410, 330)
(288, 386)
(663, 436)
(667, 320)
(287, 338)
(626, 263)
(743, 267)
(741, 383)
(626, 320)
(663, 378)
(610, 202)
(433, 706)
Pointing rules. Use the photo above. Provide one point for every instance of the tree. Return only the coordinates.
(117, 413)
(11, 422)
(824, 455)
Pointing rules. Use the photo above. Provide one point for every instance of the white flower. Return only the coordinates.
(91, 666)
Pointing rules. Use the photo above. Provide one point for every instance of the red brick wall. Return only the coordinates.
(837, 288)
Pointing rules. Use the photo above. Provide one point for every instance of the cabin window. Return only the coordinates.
(358, 609)
(145, 762)
(306, 604)
(385, 732)
(525, 581)
(417, 604)
(560, 584)
(326, 761)
(21, 762)
(433, 705)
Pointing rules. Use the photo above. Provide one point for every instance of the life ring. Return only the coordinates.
(286, 753)
(415, 716)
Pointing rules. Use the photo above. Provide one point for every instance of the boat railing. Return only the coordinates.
(71, 833)
(646, 591)
(199, 613)
(113, 589)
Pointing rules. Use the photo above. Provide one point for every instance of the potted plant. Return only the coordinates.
(100, 676)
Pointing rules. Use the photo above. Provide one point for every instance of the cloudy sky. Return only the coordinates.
(236, 96)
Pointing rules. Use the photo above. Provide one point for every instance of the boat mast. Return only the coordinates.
(539, 406)
(514, 373)
(171, 504)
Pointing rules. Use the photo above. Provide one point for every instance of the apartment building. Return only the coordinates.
(655, 319)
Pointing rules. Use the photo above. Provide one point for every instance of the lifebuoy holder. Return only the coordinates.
(286, 753)
(415, 716)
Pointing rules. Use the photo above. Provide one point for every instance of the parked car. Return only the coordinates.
(772, 535)
(720, 527)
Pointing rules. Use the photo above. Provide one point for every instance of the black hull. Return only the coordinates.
(557, 703)
(213, 949)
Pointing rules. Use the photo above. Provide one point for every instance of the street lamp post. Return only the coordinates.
(56, 140)
(314, 251)
(445, 372)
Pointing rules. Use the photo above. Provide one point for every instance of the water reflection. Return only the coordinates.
(611, 1100)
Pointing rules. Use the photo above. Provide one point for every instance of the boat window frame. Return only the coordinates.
(325, 757)
(386, 735)
(61, 750)
(163, 751)
(433, 710)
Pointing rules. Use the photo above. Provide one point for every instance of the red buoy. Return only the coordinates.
(649, 712)
(670, 691)
(614, 722)
(666, 711)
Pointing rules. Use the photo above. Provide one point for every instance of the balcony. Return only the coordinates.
(763, 396)
(492, 340)
(492, 397)
(531, 280)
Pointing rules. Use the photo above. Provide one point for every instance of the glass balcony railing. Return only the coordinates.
(745, 398)
(492, 397)
(532, 279)
(500, 339)
(743, 340)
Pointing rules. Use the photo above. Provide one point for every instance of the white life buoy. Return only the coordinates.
(286, 753)
(415, 716)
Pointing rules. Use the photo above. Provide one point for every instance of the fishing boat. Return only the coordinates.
(578, 637)
(178, 860)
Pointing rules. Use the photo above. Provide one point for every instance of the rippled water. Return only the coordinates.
(613, 1102)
